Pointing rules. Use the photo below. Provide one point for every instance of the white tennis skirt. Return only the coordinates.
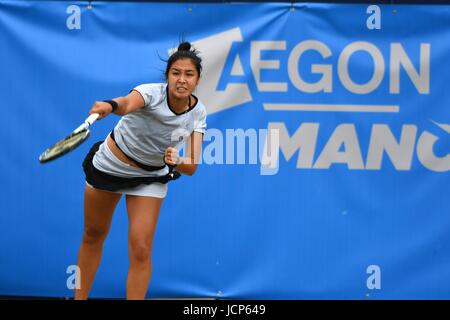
(113, 164)
(157, 190)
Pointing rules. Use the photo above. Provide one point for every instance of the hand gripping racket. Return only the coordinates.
(77, 137)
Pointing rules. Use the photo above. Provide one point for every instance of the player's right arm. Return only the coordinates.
(130, 103)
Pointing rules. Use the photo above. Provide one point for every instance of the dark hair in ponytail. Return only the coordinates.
(185, 51)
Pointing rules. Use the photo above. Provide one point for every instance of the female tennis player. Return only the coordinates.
(137, 159)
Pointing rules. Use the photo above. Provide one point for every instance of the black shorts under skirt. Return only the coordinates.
(104, 181)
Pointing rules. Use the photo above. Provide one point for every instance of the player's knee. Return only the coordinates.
(93, 235)
(140, 250)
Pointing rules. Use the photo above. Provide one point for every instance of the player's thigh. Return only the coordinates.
(143, 213)
(99, 208)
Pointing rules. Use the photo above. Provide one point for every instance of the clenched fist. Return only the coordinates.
(171, 156)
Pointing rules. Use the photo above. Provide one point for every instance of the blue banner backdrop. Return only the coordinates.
(354, 204)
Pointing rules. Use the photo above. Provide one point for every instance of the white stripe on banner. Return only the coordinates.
(331, 107)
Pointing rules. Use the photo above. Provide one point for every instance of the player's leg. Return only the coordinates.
(99, 207)
(143, 215)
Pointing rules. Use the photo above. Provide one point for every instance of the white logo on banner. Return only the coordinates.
(214, 51)
(425, 151)
(343, 145)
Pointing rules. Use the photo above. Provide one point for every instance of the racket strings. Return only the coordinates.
(64, 146)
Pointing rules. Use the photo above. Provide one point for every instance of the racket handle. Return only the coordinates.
(89, 120)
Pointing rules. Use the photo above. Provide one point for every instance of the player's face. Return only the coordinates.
(182, 78)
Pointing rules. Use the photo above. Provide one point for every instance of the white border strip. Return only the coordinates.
(331, 107)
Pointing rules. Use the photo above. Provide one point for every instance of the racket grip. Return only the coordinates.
(91, 119)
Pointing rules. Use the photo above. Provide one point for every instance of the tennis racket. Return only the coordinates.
(77, 137)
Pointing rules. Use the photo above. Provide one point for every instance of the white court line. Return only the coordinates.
(331, 107)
